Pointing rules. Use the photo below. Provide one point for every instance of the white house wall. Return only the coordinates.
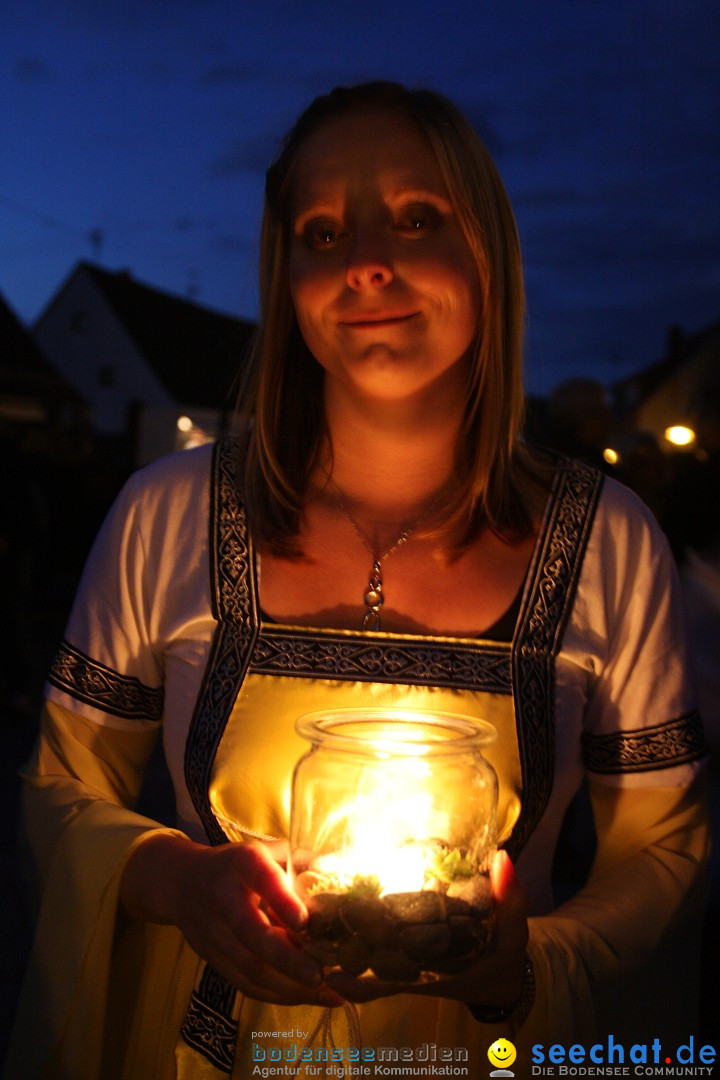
(86, 342)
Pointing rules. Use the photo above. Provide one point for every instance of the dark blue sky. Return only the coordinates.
(153, 121)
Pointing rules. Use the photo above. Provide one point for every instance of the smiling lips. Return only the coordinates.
(370, 319)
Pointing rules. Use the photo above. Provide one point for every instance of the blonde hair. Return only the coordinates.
(281, 396)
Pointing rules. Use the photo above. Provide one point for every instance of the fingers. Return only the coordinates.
(510, 898)
(259, 978)
(261, 962)
(220, 915)
(258, 944)
(361, 990)
(506, 885)
(262, 875)
(220, 898)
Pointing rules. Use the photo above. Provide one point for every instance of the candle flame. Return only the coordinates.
(379, 831)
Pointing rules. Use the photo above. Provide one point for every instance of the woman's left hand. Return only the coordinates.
(495, 980)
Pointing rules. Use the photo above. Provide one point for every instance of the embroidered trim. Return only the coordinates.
(234, 592)
(549, 594)
(209, 1026)
(324, 654)
(210, 1034)
(232, 577)
(216, 992)
(675, 743)
(89, 681)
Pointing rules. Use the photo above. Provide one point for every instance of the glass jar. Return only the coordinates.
(392, 832)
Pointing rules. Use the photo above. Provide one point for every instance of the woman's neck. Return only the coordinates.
(390, 463)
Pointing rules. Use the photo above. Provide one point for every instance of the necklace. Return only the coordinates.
(374, 597)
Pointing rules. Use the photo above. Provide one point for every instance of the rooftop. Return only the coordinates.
(195, 352)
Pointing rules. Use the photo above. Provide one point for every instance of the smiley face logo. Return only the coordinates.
(502, 1053)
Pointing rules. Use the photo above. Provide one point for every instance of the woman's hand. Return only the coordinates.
(496, 980)
(218, 898)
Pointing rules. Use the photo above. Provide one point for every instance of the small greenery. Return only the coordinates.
(450, 866)
(325, 883)
(364, 887)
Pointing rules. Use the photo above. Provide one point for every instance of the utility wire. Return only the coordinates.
(94, 236)
(40, 216)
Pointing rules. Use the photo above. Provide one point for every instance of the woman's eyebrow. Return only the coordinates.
(310, 210)
(412, 193)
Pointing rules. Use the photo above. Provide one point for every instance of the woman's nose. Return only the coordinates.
(369, 261)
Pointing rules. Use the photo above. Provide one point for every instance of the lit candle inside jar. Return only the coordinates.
(385, 845)
(392, 831)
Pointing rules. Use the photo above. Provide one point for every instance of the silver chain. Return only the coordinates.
(374, 597)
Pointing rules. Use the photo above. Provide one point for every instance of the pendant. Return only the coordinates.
(373, 599)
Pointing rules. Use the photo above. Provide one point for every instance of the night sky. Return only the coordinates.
(135, 133)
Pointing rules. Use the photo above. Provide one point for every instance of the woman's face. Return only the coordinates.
(385, 287)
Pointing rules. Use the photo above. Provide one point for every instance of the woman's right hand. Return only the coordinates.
(214, 896)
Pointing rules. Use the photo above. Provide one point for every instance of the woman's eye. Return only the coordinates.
(322, 234)
(418, 219)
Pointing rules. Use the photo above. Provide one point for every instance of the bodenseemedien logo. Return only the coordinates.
(289, 1055)
(502, 1054)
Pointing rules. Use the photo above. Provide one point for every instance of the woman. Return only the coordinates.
(382, 537)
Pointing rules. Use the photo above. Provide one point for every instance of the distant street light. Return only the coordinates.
(680, 435)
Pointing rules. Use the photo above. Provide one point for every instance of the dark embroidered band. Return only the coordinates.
(552, 581)
(659, 747)
(97, 685)
(234, 593)
(327, 655)
(232, 563)
(210, 1034)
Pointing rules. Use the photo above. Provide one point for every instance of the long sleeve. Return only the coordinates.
(622, 954)
(97, 982)
(80, 788)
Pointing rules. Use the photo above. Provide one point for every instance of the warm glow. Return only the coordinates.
(611, 456)
(680, 435)
(373, 843)
(397, 870)
(184, 423)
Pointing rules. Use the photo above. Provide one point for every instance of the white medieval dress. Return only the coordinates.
(167, 641)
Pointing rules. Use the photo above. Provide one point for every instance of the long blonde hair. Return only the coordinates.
(281, 394)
